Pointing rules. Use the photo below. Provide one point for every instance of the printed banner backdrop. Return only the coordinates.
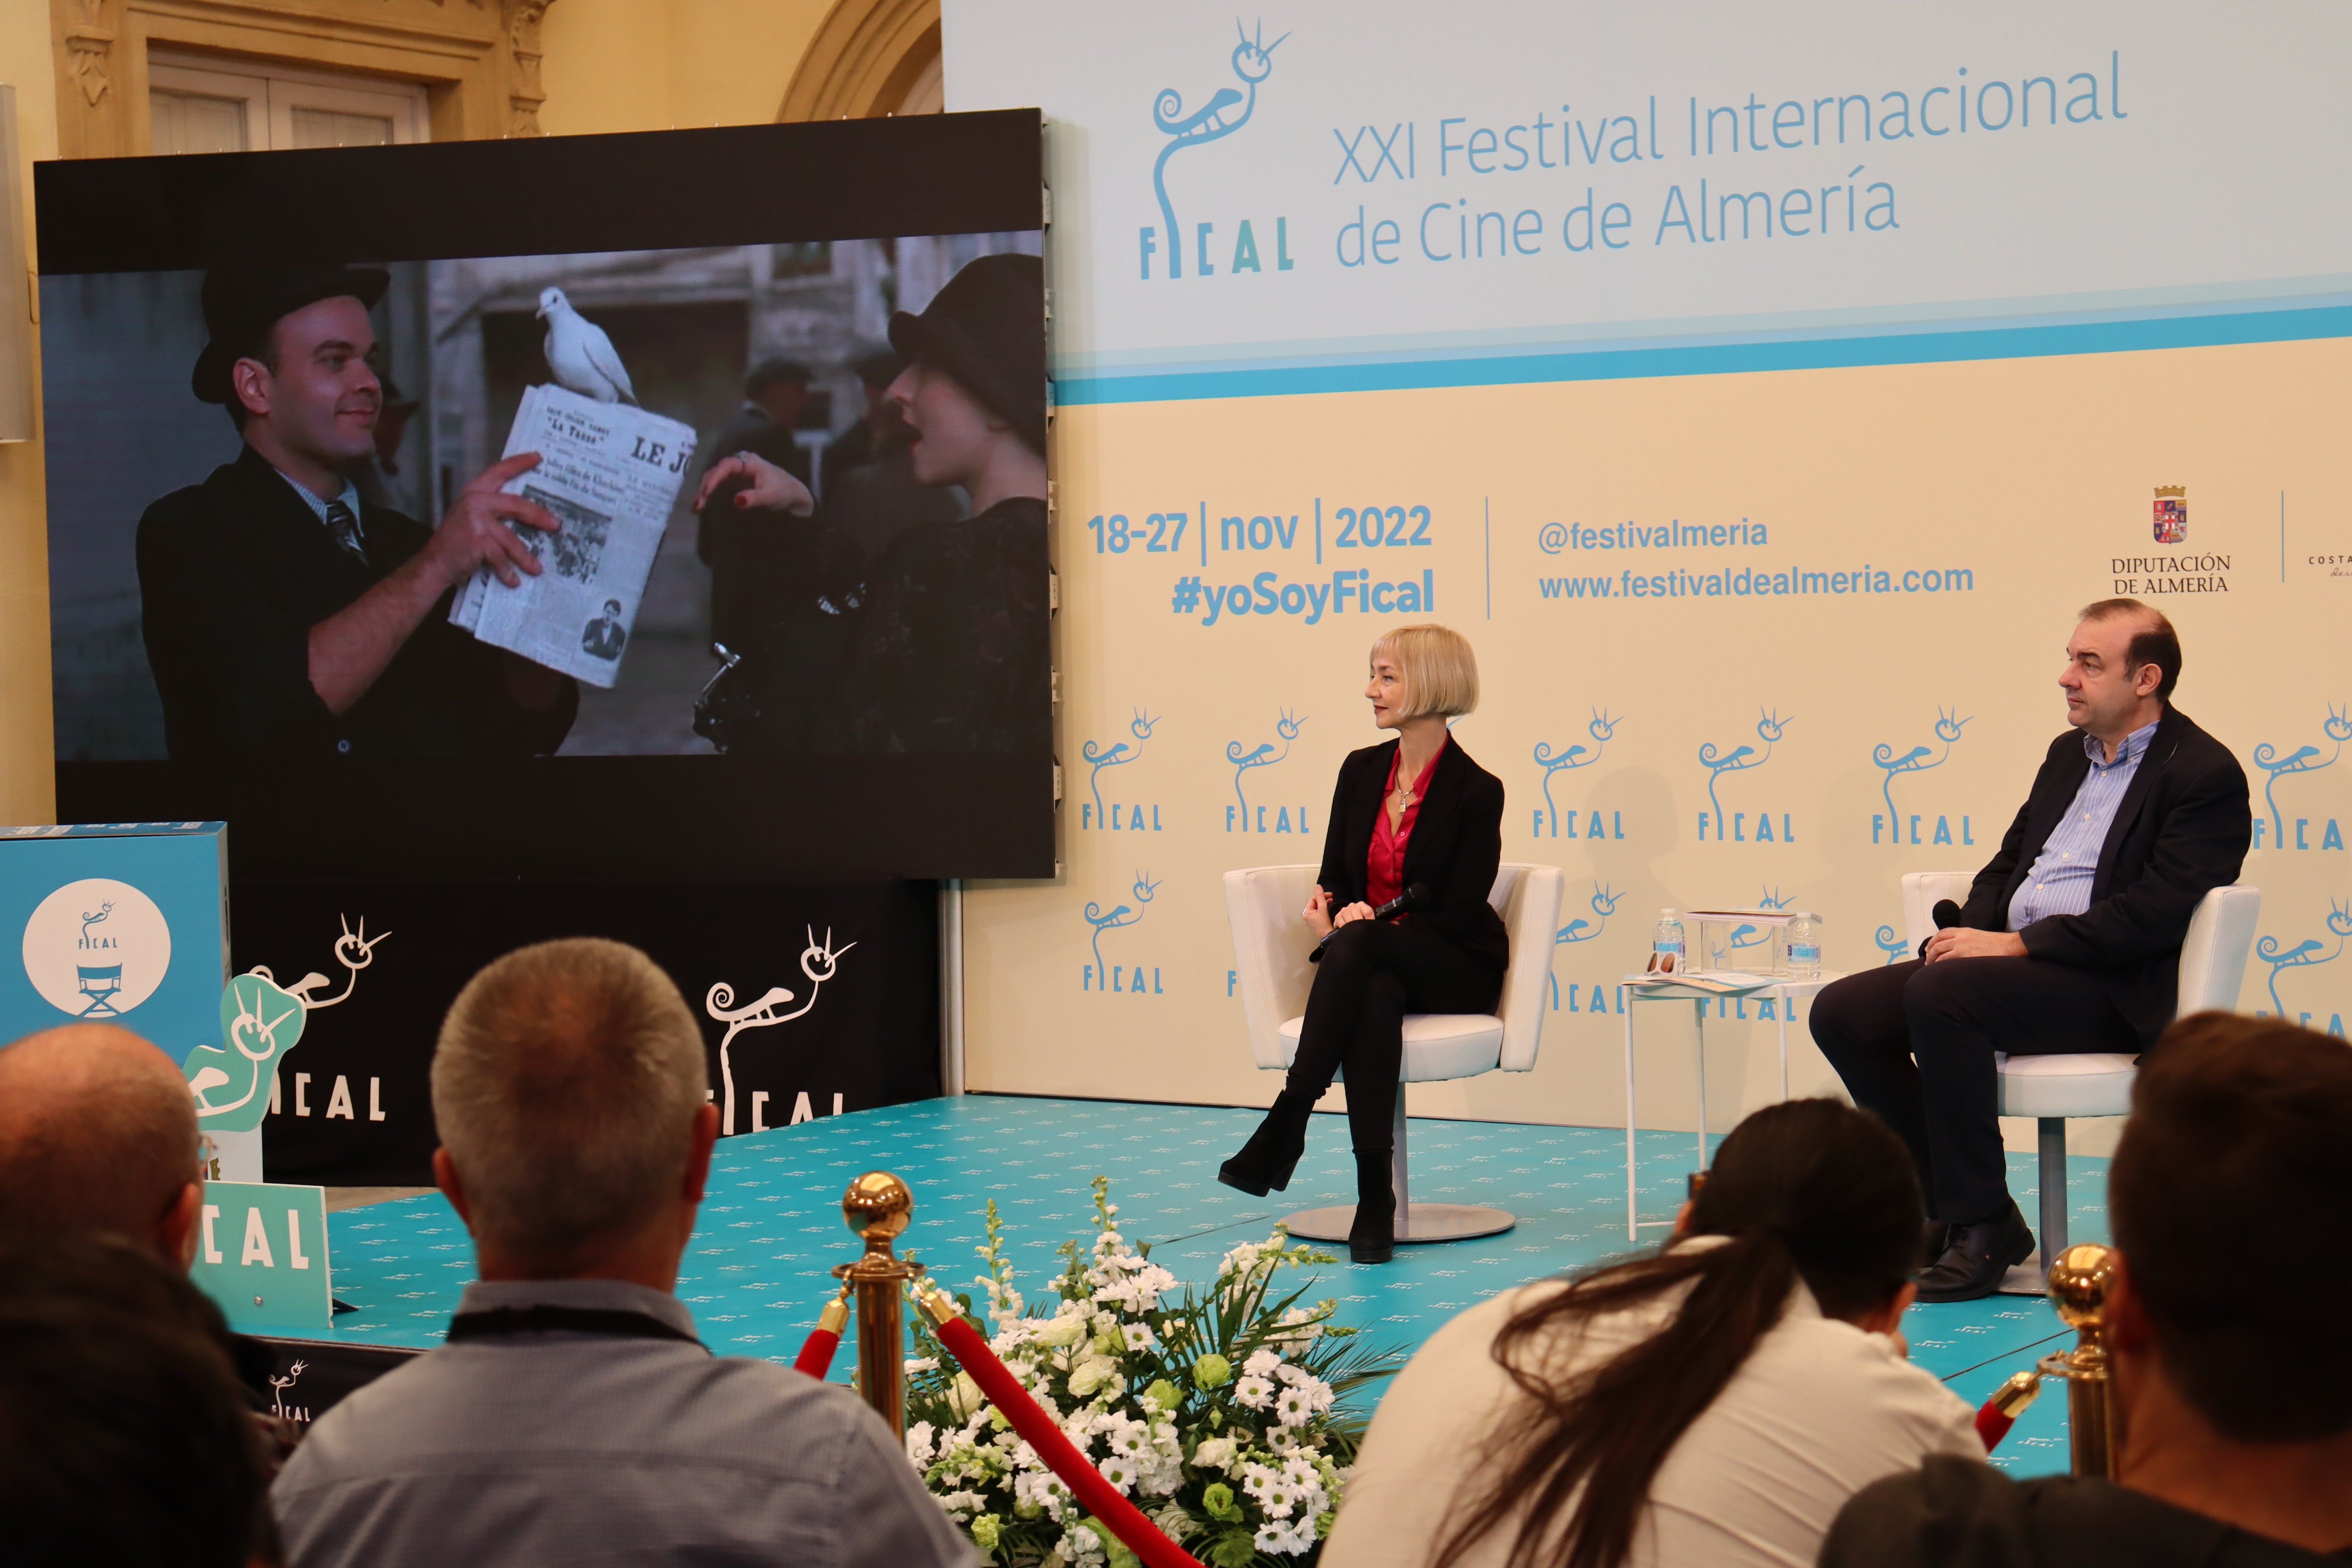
(814, 1000)
(1765, 455)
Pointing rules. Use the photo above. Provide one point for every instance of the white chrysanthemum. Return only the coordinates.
(1130, 1437)
(1120, 1471)
(1291, 1371)
(1262, 1363)
(1254, 1392)
(1283, 1541)
(1041, 1489)
(1139, 1336)
(1293, 1407)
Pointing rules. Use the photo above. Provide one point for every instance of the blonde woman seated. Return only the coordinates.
(1715, 1403)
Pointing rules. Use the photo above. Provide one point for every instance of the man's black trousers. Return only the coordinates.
(1915, 1042)
(1371, 974)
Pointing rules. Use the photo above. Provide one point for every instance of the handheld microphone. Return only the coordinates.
(1413, 898)
(1946, 913)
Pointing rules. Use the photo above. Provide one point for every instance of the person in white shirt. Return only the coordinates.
(1714, 1401)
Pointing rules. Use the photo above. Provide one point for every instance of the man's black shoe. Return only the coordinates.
(1932, 1241)
(1979, 1254)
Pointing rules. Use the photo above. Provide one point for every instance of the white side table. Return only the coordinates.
(1784, 991)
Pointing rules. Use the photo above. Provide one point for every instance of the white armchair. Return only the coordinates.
(2050, 1088)
(1271, 946)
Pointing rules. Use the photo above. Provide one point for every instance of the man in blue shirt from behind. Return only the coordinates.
(573, 1416)
(2070, 940)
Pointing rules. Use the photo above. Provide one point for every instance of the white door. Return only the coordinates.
(197, 105)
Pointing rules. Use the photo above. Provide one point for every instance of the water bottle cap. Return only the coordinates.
(1666, 915)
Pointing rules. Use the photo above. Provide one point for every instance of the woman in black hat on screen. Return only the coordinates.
(952, 654)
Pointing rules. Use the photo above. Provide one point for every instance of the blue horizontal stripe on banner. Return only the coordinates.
(1718, 359)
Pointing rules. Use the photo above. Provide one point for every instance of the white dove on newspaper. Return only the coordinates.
(579, 355)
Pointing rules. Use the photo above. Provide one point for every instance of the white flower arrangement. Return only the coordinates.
(1243, 1467)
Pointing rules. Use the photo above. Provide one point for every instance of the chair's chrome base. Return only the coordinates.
(2026, 1278)
(1423, 1222)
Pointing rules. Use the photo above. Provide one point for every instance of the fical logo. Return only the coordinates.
(1116, 816)
(1226, 112)
(819, 962)
(1604, 904)
(95, 949)
(1742, 758)
(1127, 979)
(1286, 727)
(1579, 755)
(1890, 828)
(2305, 759)
(260, 1022)
(2309, 953)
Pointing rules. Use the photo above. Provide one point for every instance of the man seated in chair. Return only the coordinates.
(2070, 940)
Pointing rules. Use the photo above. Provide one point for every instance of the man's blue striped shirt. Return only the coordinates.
(2060, 882)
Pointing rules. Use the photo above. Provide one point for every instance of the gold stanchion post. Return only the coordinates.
(2078, 1288)
(878, 1207)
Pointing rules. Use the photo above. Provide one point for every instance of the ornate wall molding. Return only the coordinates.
(524, 94)
(865, 57)
(479, 61)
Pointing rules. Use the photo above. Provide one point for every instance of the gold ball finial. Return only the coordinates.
(2079, 1281)
(877, 1202)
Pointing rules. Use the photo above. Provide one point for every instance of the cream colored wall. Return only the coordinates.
(2035, 473)
(626, 65)
(27, 784)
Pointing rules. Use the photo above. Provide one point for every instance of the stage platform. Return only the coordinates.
(758, 1269)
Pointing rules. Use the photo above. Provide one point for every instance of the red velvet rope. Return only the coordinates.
(816, 1354)
(1992, 1425)
(1099, 1497)
(1999, 1413)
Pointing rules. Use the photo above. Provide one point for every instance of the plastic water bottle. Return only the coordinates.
(1804, 947)
(1667, 946)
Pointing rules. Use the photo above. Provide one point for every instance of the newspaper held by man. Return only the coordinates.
(609, 472)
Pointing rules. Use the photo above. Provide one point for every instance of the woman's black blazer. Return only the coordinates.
(1456, 845)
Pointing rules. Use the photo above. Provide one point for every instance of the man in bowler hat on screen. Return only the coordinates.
(284, 614)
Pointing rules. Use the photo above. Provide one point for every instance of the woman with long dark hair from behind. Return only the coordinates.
(1716, 1401)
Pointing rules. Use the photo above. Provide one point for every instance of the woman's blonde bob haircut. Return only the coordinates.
(1441, 673)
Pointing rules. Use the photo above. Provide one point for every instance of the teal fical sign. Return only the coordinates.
(261, 1256)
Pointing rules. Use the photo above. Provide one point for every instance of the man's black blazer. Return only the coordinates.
(2180, 831)
(235, 572)
(1456, 845)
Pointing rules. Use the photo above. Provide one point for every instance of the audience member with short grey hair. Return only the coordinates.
(574, 1417)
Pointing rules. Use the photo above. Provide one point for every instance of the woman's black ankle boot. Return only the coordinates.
(1267, 1161)
(1372, 1237)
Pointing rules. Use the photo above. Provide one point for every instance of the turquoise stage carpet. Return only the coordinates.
(757, 1271)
